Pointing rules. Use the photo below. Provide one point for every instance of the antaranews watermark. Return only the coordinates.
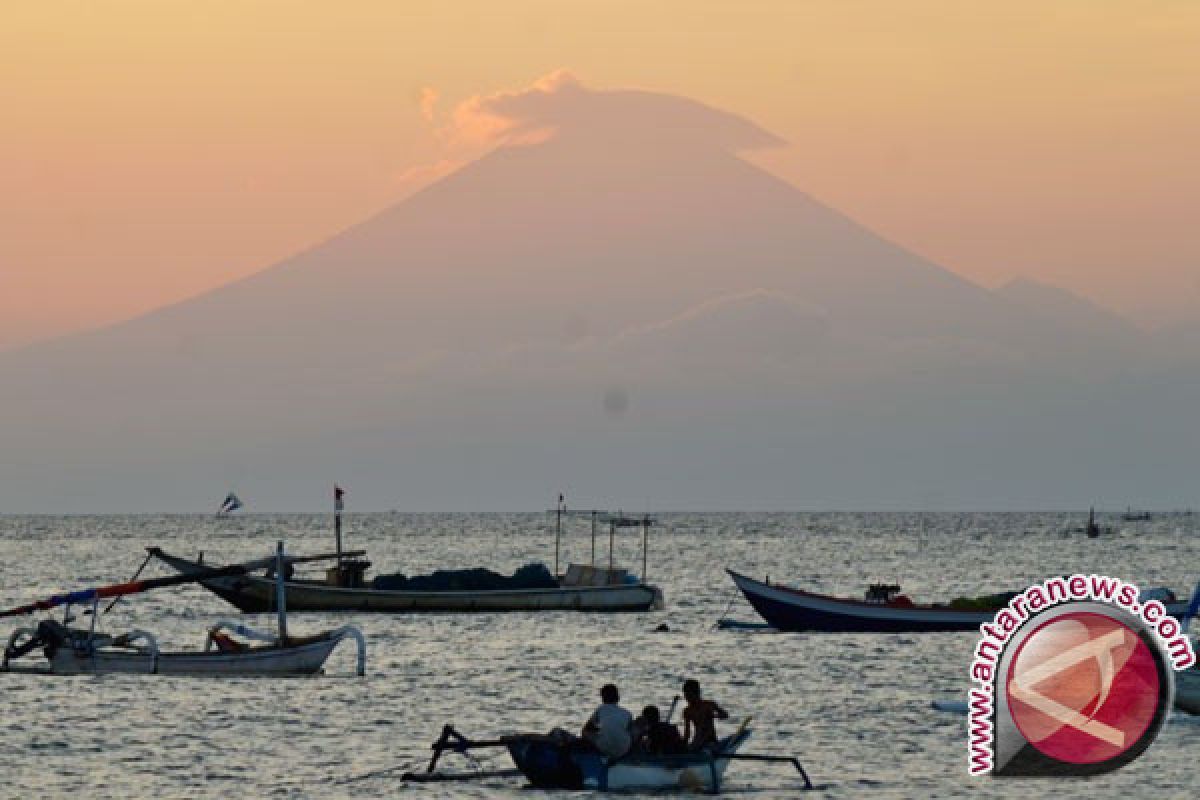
(1073, 677)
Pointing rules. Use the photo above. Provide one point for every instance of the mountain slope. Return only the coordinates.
(629, 255)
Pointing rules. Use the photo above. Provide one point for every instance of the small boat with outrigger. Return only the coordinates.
(86, 651)
(562, 762)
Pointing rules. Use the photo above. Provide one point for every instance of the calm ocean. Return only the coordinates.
(854, 708)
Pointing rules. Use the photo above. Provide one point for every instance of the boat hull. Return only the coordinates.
(254, 594)
(790, 609)
(551, 765)
(307, 659)
(1187, 690)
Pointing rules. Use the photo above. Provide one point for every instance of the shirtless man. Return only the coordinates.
(699, 717)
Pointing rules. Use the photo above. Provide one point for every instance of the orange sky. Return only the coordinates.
(151, 150)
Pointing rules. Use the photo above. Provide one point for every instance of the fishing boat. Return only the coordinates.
(556, 762)
(344, 586)
(1091, 528)
(1131, 515)
(882, 610)
(550, 765)
(77, 651)
(1187, 690)
(81, 651)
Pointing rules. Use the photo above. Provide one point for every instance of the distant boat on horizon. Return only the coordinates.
(230, 504)
(1136, 516)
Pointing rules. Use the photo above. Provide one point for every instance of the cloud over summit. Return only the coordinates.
(559, 104)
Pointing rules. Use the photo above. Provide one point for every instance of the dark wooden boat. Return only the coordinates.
(789, 609)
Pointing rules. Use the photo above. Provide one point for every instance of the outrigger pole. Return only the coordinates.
(134, 586)
(795, 762)
(455, 742)
(130, 587)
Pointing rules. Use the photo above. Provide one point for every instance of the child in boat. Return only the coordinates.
(656, 737)
(699, 717)
(609, 727)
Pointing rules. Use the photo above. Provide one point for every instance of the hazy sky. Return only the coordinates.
(149, 151)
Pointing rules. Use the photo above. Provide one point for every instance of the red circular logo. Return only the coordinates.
(1083, 688)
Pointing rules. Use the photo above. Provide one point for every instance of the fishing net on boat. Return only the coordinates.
(530, 576)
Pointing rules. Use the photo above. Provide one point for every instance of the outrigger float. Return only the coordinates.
(582, 587)
(78, 651)
(549, 762)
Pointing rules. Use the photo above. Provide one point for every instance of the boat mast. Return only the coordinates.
(337, 527)
(612, 534)
(594, 538)
(645, 542)
(558, 512)
(281, 593)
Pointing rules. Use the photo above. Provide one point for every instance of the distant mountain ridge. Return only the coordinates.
(478, 326)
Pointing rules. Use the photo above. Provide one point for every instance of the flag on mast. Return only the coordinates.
(229, 504)
(338, 503)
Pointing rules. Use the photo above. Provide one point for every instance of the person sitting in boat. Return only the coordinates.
(655, 737)
(699, 717)
(609, 729)
(224, 642)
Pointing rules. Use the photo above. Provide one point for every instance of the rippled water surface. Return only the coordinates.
(854, 708)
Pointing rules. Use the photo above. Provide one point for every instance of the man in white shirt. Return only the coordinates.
(609, 727)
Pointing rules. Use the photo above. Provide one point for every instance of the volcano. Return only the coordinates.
(620, 303)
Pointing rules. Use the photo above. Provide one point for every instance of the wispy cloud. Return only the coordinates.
(428, 103)
(509, 117)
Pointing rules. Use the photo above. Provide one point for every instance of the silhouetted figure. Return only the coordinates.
(656, 737)
(699, 717)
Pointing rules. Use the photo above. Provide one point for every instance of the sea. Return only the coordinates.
(855, 709)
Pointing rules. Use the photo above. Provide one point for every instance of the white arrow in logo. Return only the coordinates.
(1021, 686)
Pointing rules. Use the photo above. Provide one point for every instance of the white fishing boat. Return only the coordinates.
(76, 651)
